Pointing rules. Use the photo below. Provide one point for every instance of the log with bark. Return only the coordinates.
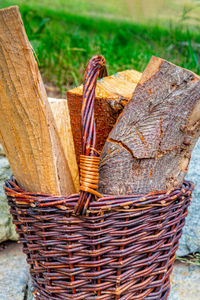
(111, 94)
(27, 127)
(150, 146)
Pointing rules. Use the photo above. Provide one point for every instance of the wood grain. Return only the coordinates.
(150, 146)
(112, 93)
(27, 128)
(60, 112)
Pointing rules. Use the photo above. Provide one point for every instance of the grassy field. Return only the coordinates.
(133, 10)
(65, 34)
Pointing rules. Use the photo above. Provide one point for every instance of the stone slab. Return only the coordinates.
(13, 273)
(7, 229)
(185, 282)
(190, 240)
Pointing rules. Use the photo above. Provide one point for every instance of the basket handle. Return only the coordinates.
(89, 159)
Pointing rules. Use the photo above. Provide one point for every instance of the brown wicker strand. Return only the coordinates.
(89, 175)
(123, 248)
(96, 67)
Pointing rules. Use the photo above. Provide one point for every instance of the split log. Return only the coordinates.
(60, 112)
(111, 94)
(150, 146)
(27, 128)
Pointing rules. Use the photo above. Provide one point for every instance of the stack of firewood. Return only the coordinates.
(147, 124)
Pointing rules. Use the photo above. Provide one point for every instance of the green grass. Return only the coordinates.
(64, 41)
(193, 259)
(133, 10)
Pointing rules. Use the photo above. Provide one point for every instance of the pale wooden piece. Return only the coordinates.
(111, 94)
(150, 146)
(27, 128)
(60, 112)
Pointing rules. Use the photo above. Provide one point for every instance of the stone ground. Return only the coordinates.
(13, 272)
(15, 284)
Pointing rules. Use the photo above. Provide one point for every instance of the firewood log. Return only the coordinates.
(27, 127)
(150, 146)
(111, 94)
(60, 112)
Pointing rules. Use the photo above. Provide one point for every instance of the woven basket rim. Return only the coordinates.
(107, 202)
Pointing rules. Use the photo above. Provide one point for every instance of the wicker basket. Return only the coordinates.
(88, 246)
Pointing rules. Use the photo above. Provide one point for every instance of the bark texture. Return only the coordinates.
(111, 94)
(27, 127)
(150, 146)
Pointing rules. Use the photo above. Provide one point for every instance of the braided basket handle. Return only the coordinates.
(89, 159)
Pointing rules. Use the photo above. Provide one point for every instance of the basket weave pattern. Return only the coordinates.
(111, 247)
(124, 248)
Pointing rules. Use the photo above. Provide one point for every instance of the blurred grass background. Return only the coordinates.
(65, 34)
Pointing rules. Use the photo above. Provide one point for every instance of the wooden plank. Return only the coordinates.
(111, 94)
(27, 128)
(149, 148)
(60, 112)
